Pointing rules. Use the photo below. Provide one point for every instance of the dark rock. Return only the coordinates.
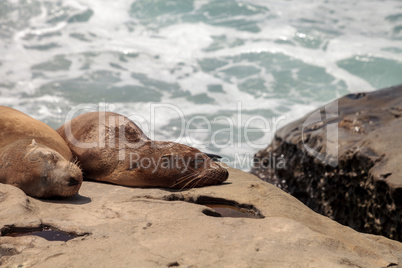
(344, 161)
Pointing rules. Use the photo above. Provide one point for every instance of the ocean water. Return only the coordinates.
(221, 76)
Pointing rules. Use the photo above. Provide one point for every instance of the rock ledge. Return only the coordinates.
(123, 226)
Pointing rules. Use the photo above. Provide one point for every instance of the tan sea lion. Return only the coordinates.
(35, 158)
(112, 148)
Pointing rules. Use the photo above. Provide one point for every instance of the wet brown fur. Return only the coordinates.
(34, 157)
(116, 139)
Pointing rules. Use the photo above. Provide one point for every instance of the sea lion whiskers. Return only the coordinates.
(182, 179)
(219, 180)
(74, 162)
(190, 181)
(69, 164)
(77, 162)
(188, 175)
(196, 183)
(195, 178)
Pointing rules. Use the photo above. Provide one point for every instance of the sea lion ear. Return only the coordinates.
(33, 142)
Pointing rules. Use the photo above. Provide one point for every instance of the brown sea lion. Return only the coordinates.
(112, 148)
(35, 158)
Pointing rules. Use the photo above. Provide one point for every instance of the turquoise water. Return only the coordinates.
(216, 68)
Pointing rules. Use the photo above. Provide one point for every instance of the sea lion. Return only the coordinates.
(112, 148)
(35, 158)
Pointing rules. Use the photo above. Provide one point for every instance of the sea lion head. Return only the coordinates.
(175, 165)
(42, 172)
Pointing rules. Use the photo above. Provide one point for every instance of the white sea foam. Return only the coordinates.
(282, 59)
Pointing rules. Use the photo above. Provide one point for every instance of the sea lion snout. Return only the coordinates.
(73, 182)
(220, 174)
(195, 169)
(51, 174)
(65, 175)
(215, 174)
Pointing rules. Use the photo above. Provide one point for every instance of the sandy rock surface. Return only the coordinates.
(120, 226)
